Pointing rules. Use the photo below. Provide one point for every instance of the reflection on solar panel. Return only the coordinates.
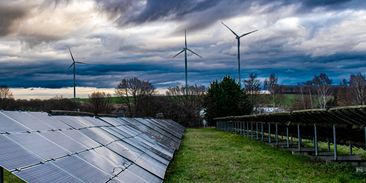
(38, 147)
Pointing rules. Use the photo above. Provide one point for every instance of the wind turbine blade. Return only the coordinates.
(229, 29)
(80, 62)
(178, 53)
(185, 38)
(71, 65)
(72, 57)
(194, 53)
(248, 33)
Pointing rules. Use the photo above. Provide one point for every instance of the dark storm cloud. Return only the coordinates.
(283, 51)
(9, 16)
(290, 69)
(136, 12)
(129, 12)
(325, 3)
(50, 74)
(157, 9)
(208, 11)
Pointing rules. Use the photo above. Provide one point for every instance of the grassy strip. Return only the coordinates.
(207, 155)
(11, 178)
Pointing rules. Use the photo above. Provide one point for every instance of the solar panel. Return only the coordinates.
(10, 125)
(48, 120)
(13, 156)
(32, 122)
(38, 147)
(64, 141)
(99, 135)
(99, 161)
(83, 170)
(46, 173)
(135, 173)
(81, 138)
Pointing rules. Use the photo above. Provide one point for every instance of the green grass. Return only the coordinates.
(207, 155)
(10, 178)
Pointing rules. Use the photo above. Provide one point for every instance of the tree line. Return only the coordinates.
(134, 97)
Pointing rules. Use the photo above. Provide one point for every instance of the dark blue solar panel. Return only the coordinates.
(13, 156)
(47, 173)
(82, 169)
(39, 145)
(44, 148)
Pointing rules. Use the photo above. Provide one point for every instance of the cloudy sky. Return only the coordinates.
(126, 38)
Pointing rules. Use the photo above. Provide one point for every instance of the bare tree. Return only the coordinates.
(189, 105)
(271, 84)
(5, 93)
(252, 88)
(100, 102)
(322, 84)
(6, 98)
(136, 94)
(343, 93)
(357, 84)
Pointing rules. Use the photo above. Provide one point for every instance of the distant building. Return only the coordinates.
(262, 110)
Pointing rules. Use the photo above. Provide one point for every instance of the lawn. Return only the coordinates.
(208, 155)
(10, 178)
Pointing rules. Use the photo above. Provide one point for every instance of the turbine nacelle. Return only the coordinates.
(186, 47)
(236, 35)
(73, 60)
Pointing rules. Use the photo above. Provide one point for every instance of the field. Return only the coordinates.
(207, 155)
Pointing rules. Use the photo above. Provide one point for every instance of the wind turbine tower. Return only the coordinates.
(185, 49)
(74, 68)
(237, 37)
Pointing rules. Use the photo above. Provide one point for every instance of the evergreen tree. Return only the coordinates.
(225, 98)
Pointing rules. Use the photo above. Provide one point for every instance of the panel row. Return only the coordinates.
(38, 147)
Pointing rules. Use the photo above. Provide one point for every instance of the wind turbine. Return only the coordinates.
(74, 68)
(185, 49)
(237, 37)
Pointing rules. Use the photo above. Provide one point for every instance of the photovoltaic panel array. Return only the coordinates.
(350, 122)
(38, 147)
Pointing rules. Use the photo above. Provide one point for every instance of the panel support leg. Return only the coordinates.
(350, 149)
(335, 142)
(244, 128)
(287, 138)
(256, 130)
(241, 128)
(315, 140)
(298, 137)
(276, 136)
(269, 133)
(251, 130)
(262, 132)
(235, 127)
(365, 134)
(247, 129)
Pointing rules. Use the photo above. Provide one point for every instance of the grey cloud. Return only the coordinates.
(325, 3)
(208, 11)
(9, 16)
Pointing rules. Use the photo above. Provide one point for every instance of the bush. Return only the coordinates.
(225, 98)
